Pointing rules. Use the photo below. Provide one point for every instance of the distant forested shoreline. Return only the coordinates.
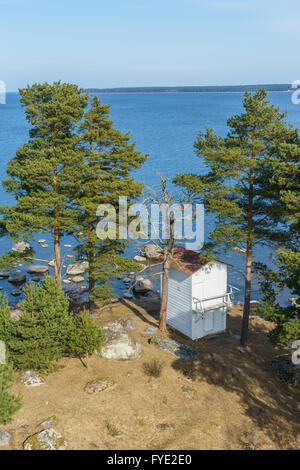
(191, 89)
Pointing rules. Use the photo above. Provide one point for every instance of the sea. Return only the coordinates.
(163, 125)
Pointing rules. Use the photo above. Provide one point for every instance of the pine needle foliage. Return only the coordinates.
(236, 188)
(40, 336)
(105, 175)
(41, 175)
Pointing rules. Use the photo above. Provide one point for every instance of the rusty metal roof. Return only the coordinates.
(189, 261)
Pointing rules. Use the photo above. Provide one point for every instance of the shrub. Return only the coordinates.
(84, 336)
(40, 335)
(153, 368)
(5, 319)
(9, 403)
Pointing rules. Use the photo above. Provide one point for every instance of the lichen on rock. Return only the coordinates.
(100, 385)
(48, 439)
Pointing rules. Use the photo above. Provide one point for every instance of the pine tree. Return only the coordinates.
(104, 175)
(236, 188)
(284, 182)
(40, 336)
(41, 176)
(84, 337)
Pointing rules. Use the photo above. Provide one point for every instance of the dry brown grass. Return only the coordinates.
(233, 399)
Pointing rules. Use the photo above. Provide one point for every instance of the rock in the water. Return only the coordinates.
(77, 268)
(2, 352)
(4, 273)
(78, 279)
(16, 292)
(118, 343)
(177, 349)
(67, 245)
(127, 280)
(70, 256)
(140, 259)
(20, 247)
(127, 296)
(239, 250)
(100, 385)
(5, 438)
(149, 296)
(128, 323)
(37, 269)
(51, 263)
(67, 281)
(83, 288)
(42, 241)
(31, 379)
(151, 330)
(143, 285)
(17, 277)
(45, 245)
(48, 439)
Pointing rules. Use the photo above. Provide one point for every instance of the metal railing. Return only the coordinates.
(226, 302)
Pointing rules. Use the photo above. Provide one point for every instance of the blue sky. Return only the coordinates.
(109, 43)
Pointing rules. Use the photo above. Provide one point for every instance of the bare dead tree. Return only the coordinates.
(165, 244)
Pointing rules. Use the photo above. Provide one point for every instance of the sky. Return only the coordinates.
(120, 43)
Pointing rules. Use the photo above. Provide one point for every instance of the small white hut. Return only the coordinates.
(197, 296)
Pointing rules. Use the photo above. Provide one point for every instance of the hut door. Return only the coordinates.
(208, 321)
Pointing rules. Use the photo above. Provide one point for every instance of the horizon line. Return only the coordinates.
(246, 87)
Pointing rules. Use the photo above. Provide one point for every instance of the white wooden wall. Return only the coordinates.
(210, 281)
(179, 313)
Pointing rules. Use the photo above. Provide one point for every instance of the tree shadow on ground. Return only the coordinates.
(269, 403)
(150, 309)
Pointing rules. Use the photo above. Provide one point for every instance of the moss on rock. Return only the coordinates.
(48, 439)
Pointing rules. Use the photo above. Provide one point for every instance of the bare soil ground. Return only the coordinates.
(233, 401)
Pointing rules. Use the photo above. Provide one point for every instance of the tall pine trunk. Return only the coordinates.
(248, 275)
(57, 258)
(91, 277)
(247, 297)
(56, 236)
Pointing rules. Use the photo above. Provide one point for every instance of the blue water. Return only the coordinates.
(164, 126)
